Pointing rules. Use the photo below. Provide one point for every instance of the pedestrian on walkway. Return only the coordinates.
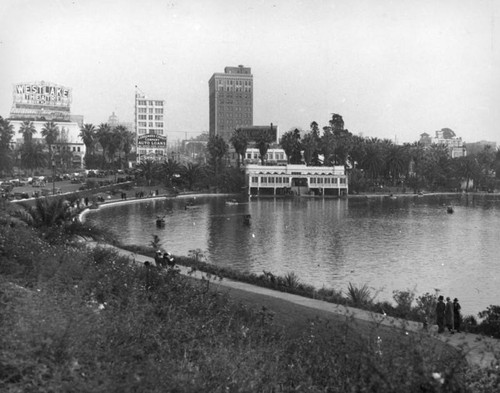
(457, 316)
(440, 308)
(448, 315)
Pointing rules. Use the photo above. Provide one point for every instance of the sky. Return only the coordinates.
(392, 68)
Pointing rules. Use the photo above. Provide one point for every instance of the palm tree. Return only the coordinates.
(170, 168)
(396, 162)
(373, 161)
(148, 170)
(104, 137)
(50, 132)
(88, 135)
(191, 173)
(217, 149)
(240, 144)
(33, 156)
(128, 142)
(28, 130)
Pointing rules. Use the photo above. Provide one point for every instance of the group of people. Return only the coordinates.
(164, 259)
(448, 315)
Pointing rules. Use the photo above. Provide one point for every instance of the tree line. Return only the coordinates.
(374, 162)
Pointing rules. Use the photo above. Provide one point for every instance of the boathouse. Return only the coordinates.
(300, 180)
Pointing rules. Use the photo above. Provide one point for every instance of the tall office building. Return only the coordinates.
(231, 100)
(150, 131)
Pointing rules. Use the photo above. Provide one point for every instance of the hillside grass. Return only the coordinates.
(75, 319)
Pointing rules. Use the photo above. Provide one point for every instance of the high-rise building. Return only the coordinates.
(149, 128)
(231, 100)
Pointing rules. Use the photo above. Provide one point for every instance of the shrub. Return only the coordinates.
(359, 297)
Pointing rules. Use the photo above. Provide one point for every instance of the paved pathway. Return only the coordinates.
(479, 350)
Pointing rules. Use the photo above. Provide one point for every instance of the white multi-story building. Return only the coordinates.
(150, 129)
(299, 180)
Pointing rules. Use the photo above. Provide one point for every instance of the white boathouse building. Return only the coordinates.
(296, 180)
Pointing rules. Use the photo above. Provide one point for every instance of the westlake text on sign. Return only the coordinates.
(152, 140)
(41, 93)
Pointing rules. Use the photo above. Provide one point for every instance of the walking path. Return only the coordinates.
(479, 350)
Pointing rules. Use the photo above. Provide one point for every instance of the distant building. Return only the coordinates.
(446, 137)
(230, 101)
(151, 142)
(41, 102)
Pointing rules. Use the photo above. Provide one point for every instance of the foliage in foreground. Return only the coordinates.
(88, 320)
(407, 305)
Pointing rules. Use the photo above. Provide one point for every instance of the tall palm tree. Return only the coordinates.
(28, 130)
(373, 161)
(50, 132)
(217, 149)
(240, 143)
(104, 137)
(128, 142)
(88, 135)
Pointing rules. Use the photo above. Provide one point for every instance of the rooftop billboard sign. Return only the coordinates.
(43, 94)
(151, 140)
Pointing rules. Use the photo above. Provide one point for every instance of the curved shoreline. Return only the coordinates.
(82, 214)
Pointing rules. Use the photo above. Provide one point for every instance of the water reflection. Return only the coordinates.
(407, 243)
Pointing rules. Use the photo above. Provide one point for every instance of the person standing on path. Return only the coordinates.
(448, 315)
(457, 317)
(440, 308)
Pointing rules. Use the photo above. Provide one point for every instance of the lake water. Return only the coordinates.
(389, 244)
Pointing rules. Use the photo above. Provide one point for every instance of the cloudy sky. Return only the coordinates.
(391, 68)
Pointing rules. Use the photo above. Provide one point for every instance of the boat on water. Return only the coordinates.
(449, 209)
(232, 202)
(160, 221)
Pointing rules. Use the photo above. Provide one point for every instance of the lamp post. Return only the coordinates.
(53, 177)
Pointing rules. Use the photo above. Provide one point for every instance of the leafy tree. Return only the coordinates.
(50, 132)
(290, 143)
(240, 143)
(6, 153)
(263, 142)
(327, 146)
(466, 168)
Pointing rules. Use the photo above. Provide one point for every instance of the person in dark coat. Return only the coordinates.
(457, 316)
(448, 315)
(440, 308)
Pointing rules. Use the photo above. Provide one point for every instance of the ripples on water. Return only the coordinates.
(407, 243)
